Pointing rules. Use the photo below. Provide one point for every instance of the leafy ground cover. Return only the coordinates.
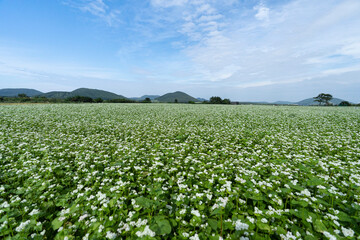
(168, 171)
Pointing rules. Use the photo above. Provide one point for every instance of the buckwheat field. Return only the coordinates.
(179, 171)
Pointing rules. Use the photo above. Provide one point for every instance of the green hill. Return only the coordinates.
(180, 96)
(84, 92)
(14, 92)
(310, 102)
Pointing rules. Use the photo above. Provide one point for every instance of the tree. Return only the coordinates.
(80, 99)
(98, 100)
(216, 100)
(146, 100)
(226, 101)
(323, 98)
(176, 101)
(345, 104)
(22, 95)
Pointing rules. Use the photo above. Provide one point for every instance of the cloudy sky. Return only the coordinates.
(247, 50)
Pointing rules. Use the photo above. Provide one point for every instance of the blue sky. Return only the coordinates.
(247, 50)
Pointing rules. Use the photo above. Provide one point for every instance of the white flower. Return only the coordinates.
(264, 220)
(147, 232)
(195, 212)
(329, 236)
(185, 235)
(22, 225)
(257, 211)
(5, 205)
(83, 217)
(347, 232)
(306, 192)
(195, 237)
(240, 225)
(252, 220)
(34, 212)
(110, 235)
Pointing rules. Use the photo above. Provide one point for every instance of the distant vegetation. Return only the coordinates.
(218, 100)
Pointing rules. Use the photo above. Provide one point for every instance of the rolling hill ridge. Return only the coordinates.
(14, 92)
(181, 97)
(84, 92)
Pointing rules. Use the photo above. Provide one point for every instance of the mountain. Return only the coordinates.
(152, 97)
(310, 102)
(180, 96)
(84, 92)
(14, 92)
(202, 99)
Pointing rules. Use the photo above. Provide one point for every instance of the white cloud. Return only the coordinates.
(287, 47)
(262, 12)
(168, 3)
(352, 49)
(97, 8)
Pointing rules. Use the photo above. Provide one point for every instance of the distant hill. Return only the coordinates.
(152, 97)
(201, 99)
(310, 102)
(84, 92)
(180, 96)
(14, 92)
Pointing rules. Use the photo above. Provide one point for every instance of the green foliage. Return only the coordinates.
(79, 99)
(22, 95)
(218, 100)
(323, 98)
(178, 171)
(121, 100)
(98, 100)
(345, 104)
(146, 100)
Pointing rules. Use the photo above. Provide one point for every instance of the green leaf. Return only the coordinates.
(144, 202)
(263, 226)
(297, 187)
(280, 230)
(213, 223)
(319, 226)
(162, 226)
(301, 203)
(309, 237)
(56, 223)
(314, 181)
(344, 217)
